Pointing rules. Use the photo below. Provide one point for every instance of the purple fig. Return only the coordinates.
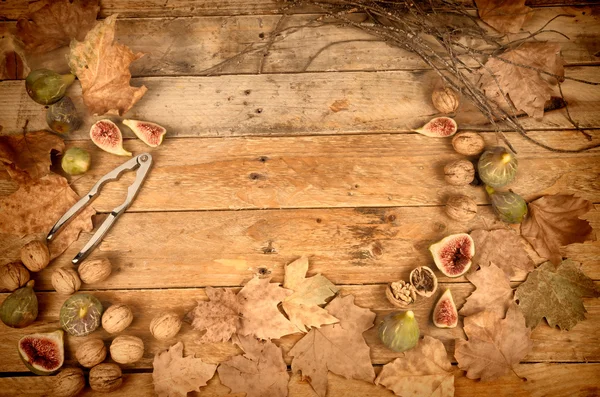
(150, 133)
(107, 136)
(453, 254)
(444, 312)
(439, 127)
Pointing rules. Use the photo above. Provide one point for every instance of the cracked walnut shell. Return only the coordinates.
(424, 281)
(127, 349)
(401, 293)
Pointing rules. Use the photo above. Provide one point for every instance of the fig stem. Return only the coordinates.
(489, 190)
(68, 78)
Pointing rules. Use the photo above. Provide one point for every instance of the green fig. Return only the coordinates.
(399, 331)
(75, 161)
(20, 308)
(509, 206)
(62, 117)
(497, 167)
(46, 86)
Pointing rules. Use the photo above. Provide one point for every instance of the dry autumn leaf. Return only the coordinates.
(527, 88)
(175, 375)
(29, 153)
(219, 316)
(339, 348)
(555, 294)
(102, 67)
(506, 16)
(13, 65)
(261, 317)
(493, 292)
(424, 371)
(495, 344)
(553, 222)
(259, 372)
(52, 24)
(502, 247)
(33, 209)
(302, 307)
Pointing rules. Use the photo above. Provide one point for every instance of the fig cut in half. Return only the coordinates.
(453, 254)
(43, 353)
(424, 281)
(439, 127)
(107, 136)
(445, 314)
(151, 134)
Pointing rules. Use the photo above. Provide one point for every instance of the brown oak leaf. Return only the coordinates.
(302, 307)
(53, 23)
(102, 67)
(175, 375)
(502, 247)
(29, 153)
(33, 209)
(424, 371)
(260, 371)
(261, 317)
(495, 344)
(493, 292)
(219, 316)
(506, 16)
(553, 222)
(13, 65)
(527, 88)
(339, 348)
(556, 294)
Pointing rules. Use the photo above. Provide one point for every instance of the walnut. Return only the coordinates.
(65, 280)
(127, 349)
(424, 281)
(94, 270)
(105, 377)
(468, 143)
(461, 208)
(165, 325)
(459, 173)
(12, 276)
(445, 99)
(116, 318)
(68, 383)
(401, 293)
(35, 255)
(91, 353)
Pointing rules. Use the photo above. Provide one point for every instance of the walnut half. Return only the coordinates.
(401, 293)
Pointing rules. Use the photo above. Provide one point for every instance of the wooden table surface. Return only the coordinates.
(285, 153)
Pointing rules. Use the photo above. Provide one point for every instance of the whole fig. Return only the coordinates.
(20, 308)
(75, 161)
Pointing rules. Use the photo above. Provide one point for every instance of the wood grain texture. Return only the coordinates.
(188, 46)
(543, 380)
(377, 170)
(578, 345)
(227, 248)
(12, 9)
(292, 104)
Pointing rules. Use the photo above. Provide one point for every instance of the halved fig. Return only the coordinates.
(107, 136)
(150, 133)
(424, 281)
(43, 353)
(439, 127)
(453, 254)
(445, 314)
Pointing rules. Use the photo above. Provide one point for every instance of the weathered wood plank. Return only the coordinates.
(327, 171)
(292, 104)
(543, 380)
(12, 9)
(188, 46)
(227, 248)
(577, 345)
